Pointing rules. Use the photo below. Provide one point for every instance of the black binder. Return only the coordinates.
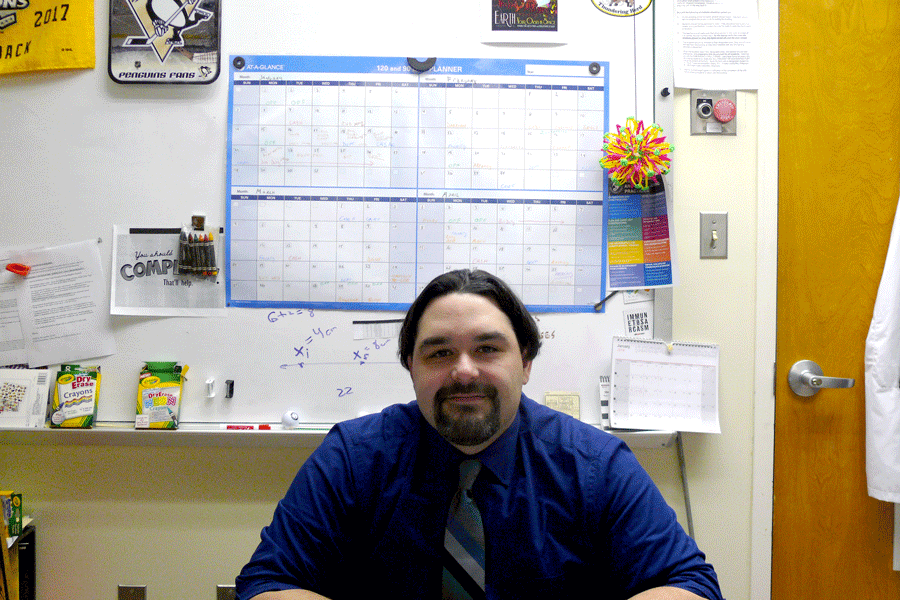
(26, 551)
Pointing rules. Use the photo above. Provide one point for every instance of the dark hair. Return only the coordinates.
(482, 283)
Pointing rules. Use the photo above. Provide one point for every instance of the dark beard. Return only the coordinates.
(467, 428)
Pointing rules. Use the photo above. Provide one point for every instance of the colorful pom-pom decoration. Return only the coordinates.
(636, 154)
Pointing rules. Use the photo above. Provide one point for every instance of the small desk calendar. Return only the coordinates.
(661, 385)
(353, 181)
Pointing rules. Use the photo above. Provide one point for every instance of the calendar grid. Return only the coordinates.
(353, 188)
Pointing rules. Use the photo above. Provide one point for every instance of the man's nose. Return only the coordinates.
(465, 369)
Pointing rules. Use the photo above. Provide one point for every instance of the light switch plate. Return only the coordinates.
(132, 592)
(713, 235)
(225, 592)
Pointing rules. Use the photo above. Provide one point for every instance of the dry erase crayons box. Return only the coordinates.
(12, 511)
(76, 395)
(159, 395)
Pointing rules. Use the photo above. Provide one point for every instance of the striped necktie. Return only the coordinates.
(464, 540)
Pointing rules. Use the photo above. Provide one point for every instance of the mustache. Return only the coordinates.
(475, 387)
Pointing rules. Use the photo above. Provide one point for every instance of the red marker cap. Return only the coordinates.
(18, 269)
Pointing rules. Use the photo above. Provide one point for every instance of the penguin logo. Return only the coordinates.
(163, 23)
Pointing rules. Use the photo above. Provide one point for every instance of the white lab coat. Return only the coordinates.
(883, 380)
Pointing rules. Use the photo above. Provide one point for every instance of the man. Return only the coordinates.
(561, 509)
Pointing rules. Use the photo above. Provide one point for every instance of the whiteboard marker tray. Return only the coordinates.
(308, 435)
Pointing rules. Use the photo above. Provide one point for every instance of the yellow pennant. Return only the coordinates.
(37, 35)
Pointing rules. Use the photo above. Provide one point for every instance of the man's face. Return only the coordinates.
(467, 370)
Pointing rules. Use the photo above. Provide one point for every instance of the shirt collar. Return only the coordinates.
(500, 457)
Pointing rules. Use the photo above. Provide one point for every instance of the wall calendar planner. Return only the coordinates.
(353, 182)
(667, 386)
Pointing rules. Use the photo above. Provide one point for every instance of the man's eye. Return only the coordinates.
(488, 349)
(439, 354)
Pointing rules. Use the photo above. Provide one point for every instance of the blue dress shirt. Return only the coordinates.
(566, 508)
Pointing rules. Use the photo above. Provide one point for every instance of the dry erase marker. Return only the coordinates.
(234, 427)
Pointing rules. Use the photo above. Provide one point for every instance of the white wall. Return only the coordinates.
(716, 303)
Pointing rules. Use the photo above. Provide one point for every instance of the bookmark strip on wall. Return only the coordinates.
(164, 41)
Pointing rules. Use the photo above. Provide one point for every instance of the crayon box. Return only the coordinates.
(12, 511)
(76, 395)
(159, 395)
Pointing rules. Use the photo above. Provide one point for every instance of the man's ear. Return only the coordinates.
(526, 367)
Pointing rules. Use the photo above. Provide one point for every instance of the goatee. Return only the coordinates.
(467, 426)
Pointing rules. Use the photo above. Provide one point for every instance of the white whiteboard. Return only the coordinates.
(92, 154)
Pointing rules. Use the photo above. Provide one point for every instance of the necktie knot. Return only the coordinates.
(468, 471)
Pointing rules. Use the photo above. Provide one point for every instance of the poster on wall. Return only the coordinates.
(40, 35)
(521, 21)
(640, 238)
(622, 8)
(164, 41)
(151, 274)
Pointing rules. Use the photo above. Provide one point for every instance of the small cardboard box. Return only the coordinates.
(159, 395)
(12, 511)
(76, 396)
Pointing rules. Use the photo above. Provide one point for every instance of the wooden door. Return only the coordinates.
(839, 168)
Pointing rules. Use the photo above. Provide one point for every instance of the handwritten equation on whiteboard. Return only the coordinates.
(314, 345)
(353, 182)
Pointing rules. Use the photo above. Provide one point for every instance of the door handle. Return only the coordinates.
(806, 379)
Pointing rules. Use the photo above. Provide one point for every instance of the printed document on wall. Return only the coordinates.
(63, 305)
(716, 44)
(12, 340)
